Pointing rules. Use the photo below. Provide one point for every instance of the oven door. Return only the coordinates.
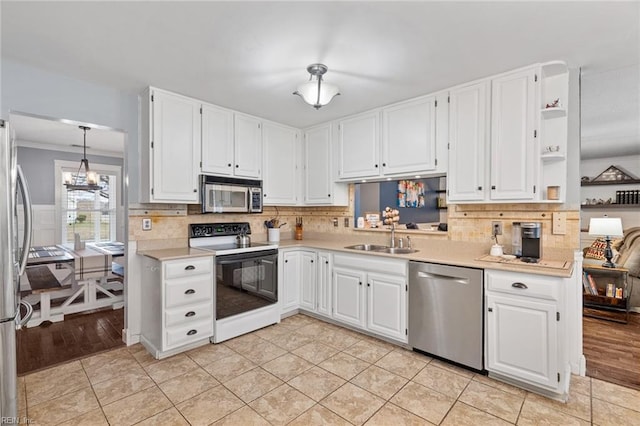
(246, 281)
(225, 198)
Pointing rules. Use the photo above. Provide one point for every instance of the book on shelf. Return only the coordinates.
(585, 283)
(592, 284)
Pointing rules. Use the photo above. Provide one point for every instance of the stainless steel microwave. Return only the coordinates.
(230, 195)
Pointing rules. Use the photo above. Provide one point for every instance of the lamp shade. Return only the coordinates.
(315, 94)
(608, 226)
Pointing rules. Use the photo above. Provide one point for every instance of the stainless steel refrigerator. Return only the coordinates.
(15, 213)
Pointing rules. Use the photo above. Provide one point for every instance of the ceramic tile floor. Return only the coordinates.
(301, 372)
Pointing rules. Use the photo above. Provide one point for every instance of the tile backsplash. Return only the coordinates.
(466, 222)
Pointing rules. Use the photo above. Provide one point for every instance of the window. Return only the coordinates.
(92, 214)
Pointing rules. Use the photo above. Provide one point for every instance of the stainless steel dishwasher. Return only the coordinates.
(445, 312)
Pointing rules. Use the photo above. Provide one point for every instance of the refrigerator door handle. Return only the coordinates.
(22, 321)
(28, 220)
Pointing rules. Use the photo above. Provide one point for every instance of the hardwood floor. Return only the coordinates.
(612, 350)
(78, 336)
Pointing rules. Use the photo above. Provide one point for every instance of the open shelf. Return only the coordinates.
(610, 182)
(554, 112)
(552, 156)
(610, 206)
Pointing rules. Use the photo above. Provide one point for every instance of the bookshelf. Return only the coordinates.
(598, 278)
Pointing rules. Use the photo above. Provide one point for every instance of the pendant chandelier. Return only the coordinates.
(317, 93)
(84, 180)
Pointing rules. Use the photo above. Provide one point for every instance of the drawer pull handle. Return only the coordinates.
(189, 314)
(190, 291)
(519, 285)
(191, 332)
(189, 268)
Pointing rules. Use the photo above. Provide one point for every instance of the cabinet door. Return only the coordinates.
(359, 146)
(467, 137)
(175, 147)
(323, 284)
(348, 294)
(217, 140)
(308, 280)
(409, 137)
(317, 165)
(291, 280)
(522, 339)
(248, 147)
(280, 175)
(513, 116)
(387, 306)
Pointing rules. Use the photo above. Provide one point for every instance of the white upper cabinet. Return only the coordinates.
(170, 147)
(495, 140)
(217, 140)
(248, 147)
(468, 113)
(359, 146)
(409, 136)
(319, 182)
(280, 164)
(513, 123)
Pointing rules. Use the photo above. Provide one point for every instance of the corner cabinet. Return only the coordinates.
(178, 312)
(524, 330)
(318, 159)
(281, 146)
(170, 147)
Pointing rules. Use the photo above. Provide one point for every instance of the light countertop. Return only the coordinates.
(456, 253)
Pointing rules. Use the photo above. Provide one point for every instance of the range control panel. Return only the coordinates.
(198, 230)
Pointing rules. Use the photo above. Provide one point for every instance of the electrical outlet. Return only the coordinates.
(496, 228)
(346, 222)
(146, 224)
(335, 221)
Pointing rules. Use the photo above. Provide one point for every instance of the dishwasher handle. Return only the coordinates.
(422, 274)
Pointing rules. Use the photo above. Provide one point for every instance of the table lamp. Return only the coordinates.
(607, 227)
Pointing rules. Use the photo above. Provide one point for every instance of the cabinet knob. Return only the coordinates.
(519, 285)
(190, 291)
(384, 164)
(360, 283)
(368, 284)
(195, 190)
(286, 261)
(479, 188)
(490, 309)
(229, 165)
(189, 268)
(493, 187)
(326, 262)
(311, 260)
(237, 166)
(189, 314)
(191, 332)
(265, 195)
(328, 195)
(376, 166)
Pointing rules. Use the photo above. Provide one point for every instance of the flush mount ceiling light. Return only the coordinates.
(84, 180)
(317, 93)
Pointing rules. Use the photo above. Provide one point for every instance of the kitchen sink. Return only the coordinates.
(382, 249)
(399, 250)
(368, 247)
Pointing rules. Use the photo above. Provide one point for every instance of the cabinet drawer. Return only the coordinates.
(188, 314)
(181, 335)
(524, 284)
(188, 267)
(188, 291)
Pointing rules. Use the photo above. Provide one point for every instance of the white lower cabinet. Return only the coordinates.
(323, 282)
(524, 329)
(370, 292)
(178, 311)
(289, 277)
(308, 286)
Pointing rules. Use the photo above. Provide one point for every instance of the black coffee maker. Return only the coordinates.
(531, 241)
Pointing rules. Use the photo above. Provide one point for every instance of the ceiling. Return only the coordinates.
(65, 135)
(250, 56)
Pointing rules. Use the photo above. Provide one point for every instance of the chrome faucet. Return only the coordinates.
(393, 234)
